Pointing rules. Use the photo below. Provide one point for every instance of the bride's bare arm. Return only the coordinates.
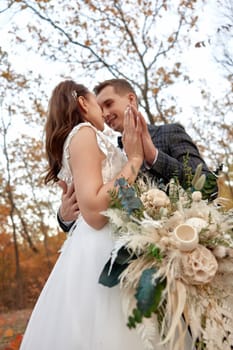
(86, 163)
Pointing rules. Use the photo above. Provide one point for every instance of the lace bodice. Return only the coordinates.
(111, 165)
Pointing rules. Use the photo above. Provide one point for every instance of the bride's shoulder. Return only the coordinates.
(82, 128)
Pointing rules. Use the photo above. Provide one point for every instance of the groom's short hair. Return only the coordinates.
(121, 86)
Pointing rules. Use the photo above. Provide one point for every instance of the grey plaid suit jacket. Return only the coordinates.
(174, 145)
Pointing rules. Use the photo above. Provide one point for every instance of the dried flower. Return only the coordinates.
(155, 198)
(196, 196)
(198, 266)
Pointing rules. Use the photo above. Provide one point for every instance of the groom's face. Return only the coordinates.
(113, 106)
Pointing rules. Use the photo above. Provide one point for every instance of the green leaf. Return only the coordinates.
(127, 196)
(112, 279)
(210, 188)
(119, 265)
(148, 296)
(148, 292)
(134, 319)
(154, 251)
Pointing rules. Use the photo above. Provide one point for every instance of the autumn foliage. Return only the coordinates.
(12, 326)
(35, 268)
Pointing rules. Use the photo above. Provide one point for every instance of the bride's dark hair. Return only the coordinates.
(63, 114)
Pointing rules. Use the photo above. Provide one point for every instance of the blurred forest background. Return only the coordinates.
(178, 54)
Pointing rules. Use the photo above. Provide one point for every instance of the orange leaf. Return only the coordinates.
(87, 43)
(155, 90)
(14, 345)
(170, 39)
(8, 333)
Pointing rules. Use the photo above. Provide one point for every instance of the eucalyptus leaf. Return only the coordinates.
(127, 196)
(148, 296)
(149, 292)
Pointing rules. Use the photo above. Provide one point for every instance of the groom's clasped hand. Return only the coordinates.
(132, 135)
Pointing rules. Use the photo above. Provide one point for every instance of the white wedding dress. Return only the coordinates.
(74, 311)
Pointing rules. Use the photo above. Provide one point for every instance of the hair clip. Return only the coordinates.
(74, 95)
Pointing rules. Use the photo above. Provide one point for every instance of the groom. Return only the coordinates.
(168, 149)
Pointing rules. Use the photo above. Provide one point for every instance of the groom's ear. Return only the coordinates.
(132, 99)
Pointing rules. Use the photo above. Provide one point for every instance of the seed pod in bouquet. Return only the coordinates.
(186, 237)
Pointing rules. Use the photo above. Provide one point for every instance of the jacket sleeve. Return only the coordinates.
(63, 225)
(177, 151)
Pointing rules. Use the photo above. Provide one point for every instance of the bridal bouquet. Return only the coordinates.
(173, 258)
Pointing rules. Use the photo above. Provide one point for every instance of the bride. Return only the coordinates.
(74, 312)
